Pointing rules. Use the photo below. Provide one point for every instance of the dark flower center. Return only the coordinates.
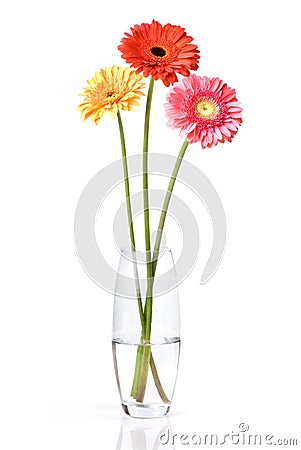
(158, 51)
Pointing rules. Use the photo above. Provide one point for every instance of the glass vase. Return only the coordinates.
(146, 333)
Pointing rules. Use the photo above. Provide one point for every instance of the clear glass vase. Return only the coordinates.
(146, 333)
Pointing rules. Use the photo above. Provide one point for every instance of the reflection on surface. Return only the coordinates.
(143, 434)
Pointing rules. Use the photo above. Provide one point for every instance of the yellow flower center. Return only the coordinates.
(205, 108)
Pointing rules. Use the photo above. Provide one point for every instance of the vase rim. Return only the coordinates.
(142, 250)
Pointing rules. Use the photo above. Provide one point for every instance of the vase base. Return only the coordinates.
(145, 411)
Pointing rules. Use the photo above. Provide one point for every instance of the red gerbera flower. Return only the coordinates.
(160, 51)
(204, 109)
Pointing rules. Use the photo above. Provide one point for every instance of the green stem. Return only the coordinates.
(138, 290)
(130, 217)
(144, 363)
(133, 247)
(148, 303)
(145, 179)
(147, 347)
(165, 206)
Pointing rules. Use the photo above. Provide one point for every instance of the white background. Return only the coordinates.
(240, 357)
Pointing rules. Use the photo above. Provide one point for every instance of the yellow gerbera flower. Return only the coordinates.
(111, 89)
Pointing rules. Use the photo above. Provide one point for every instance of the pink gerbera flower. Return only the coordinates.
(204, 109)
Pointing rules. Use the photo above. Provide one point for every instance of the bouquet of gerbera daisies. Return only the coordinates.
(204, 110)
